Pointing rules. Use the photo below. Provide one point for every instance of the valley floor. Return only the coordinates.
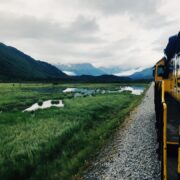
(56, 143)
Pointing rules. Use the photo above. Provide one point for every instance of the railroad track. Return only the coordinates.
(132, 152)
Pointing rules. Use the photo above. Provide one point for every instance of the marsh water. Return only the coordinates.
(136, 90)
(83, 92)
(45, 105)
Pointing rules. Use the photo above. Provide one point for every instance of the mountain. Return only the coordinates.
(144, 74)
(80, 69)
(69, 73)
(129, 72)
(98, 79)
(86, 70)
(15, 65)
(111, 69)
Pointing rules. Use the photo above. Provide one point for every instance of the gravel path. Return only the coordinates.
(132, 152)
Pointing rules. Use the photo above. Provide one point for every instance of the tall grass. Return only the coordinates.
(55, 143)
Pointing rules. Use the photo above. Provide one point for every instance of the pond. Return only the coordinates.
(45, 105)
(136, 90)
(83, 92)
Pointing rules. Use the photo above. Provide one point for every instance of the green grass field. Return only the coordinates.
(56, 143)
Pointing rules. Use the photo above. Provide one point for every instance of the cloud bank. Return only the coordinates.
(102, 32)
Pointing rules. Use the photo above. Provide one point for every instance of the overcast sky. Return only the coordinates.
(128, 33)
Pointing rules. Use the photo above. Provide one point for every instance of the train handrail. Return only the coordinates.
(179, 155)
(162, 94)
(161, 118)
(165, 140)
(164, 131)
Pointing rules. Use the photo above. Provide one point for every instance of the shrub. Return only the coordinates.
(40, 102)
(55, 102)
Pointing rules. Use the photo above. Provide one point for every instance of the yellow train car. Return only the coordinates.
(167, 107)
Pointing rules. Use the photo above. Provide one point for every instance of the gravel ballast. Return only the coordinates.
(132, 152)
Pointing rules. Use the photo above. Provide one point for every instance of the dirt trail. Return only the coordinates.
(132, 152)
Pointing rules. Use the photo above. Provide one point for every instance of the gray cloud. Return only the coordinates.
(102, 32)
(160, 43)
(82, 30)
(122, 6)
(155, 21)
(144, 12)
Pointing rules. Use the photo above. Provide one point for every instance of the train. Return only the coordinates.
(167, 108)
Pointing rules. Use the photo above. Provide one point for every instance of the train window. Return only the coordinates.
(160, 70)
(178, 82)
(153, 72)
(171, 66)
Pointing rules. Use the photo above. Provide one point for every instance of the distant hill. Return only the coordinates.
(80, 69)
(99, 79)
(144, 74)
(112, 69)
(89, 69)
(15, 65)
